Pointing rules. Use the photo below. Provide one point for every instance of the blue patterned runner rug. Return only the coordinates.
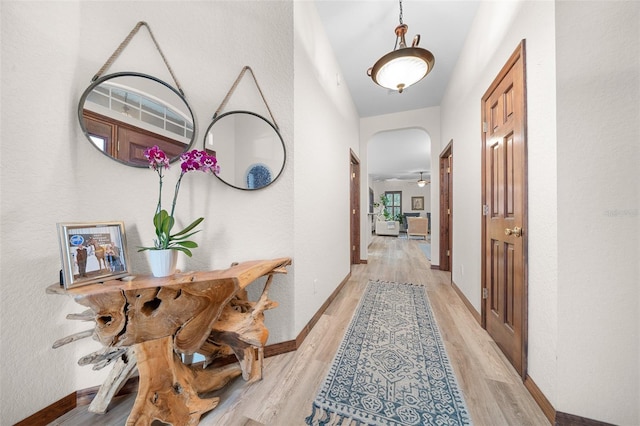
(391, 367)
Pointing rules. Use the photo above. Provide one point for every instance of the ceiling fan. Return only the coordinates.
(421, 182)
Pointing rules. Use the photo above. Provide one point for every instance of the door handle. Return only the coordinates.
(515, 231)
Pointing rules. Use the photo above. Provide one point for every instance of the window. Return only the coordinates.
(394, 204)
(99, 141)
(143, 108)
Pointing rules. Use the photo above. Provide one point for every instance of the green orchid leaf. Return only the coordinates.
(184, 237)
(159, 218)
(167, 224)
(189, 228)
(187, 244)
(184, 250)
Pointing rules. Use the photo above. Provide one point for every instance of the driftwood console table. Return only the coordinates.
(151, 322)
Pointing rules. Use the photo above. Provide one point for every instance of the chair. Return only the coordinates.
(406, 219)
(387, 227)
(418, 226)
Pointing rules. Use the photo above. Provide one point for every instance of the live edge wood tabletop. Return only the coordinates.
(150, 322)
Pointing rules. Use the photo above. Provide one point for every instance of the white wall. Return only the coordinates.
(484, 54)
(598, 82)
(427, 119)
(50, 173)
(326, 129)
(497, 30)
(583, 218)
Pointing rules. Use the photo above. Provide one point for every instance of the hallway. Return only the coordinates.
(493, 391)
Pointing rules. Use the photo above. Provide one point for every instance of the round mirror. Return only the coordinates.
(248, 147)
(123, 114)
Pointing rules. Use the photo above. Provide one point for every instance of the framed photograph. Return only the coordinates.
(92, 252)
(417, 203)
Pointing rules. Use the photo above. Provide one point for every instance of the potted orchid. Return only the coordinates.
(166, 239)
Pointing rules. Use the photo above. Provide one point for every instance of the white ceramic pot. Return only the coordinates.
(163, 262)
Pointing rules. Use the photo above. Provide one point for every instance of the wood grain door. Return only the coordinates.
(132, 144)
(355, 208)
(446, 207)
(504, 307)
(128, 143)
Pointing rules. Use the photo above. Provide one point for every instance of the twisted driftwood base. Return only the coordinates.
(149, 323)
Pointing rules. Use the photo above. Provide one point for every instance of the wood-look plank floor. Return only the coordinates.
(493, 391)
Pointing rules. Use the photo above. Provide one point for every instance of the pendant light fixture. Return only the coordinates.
(422, 182)
(403, 66)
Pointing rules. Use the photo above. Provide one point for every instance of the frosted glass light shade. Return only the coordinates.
(401, 68)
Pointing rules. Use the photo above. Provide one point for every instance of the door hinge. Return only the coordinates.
(354, 211)
(485, 210)
(448, 253)
(448, 169)
(485, 127)
(485, 293)
(353, 175)
(353, 248)
(448, 211)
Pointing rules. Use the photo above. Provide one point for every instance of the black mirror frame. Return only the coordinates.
(102, 79)
(275, 129)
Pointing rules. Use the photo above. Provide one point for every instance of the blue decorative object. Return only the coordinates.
(391, 367)
(258, 176)
(76, 240)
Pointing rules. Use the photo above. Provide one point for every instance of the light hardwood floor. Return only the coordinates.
(493, 391)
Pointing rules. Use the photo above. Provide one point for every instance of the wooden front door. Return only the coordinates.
(127, 143)
(355, 208)
(446, 207)
(504, 194)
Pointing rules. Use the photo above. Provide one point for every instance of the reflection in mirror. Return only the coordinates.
(125, 113)
(248, 147)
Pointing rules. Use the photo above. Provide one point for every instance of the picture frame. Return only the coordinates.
(417, 203)
(92, 252)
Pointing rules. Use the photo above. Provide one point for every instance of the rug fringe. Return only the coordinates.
(325, 417)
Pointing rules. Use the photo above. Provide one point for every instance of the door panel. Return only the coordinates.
(127, 143)
(504, 213)
(355, 208)
(446, 207)
(132, 143)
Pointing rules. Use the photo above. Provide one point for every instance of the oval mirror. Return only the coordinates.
(123, 114)
(249, 149)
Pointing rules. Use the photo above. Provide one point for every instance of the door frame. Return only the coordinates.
(354, 208)
(518, 54)
(446, 208)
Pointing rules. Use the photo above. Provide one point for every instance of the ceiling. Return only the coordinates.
(360, 32)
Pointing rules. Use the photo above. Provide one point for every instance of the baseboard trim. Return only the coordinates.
(540, 399)
(534, 390)
(564, 419)
(312, 322)
(476, 315)
(52, 412)
(85, 396)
